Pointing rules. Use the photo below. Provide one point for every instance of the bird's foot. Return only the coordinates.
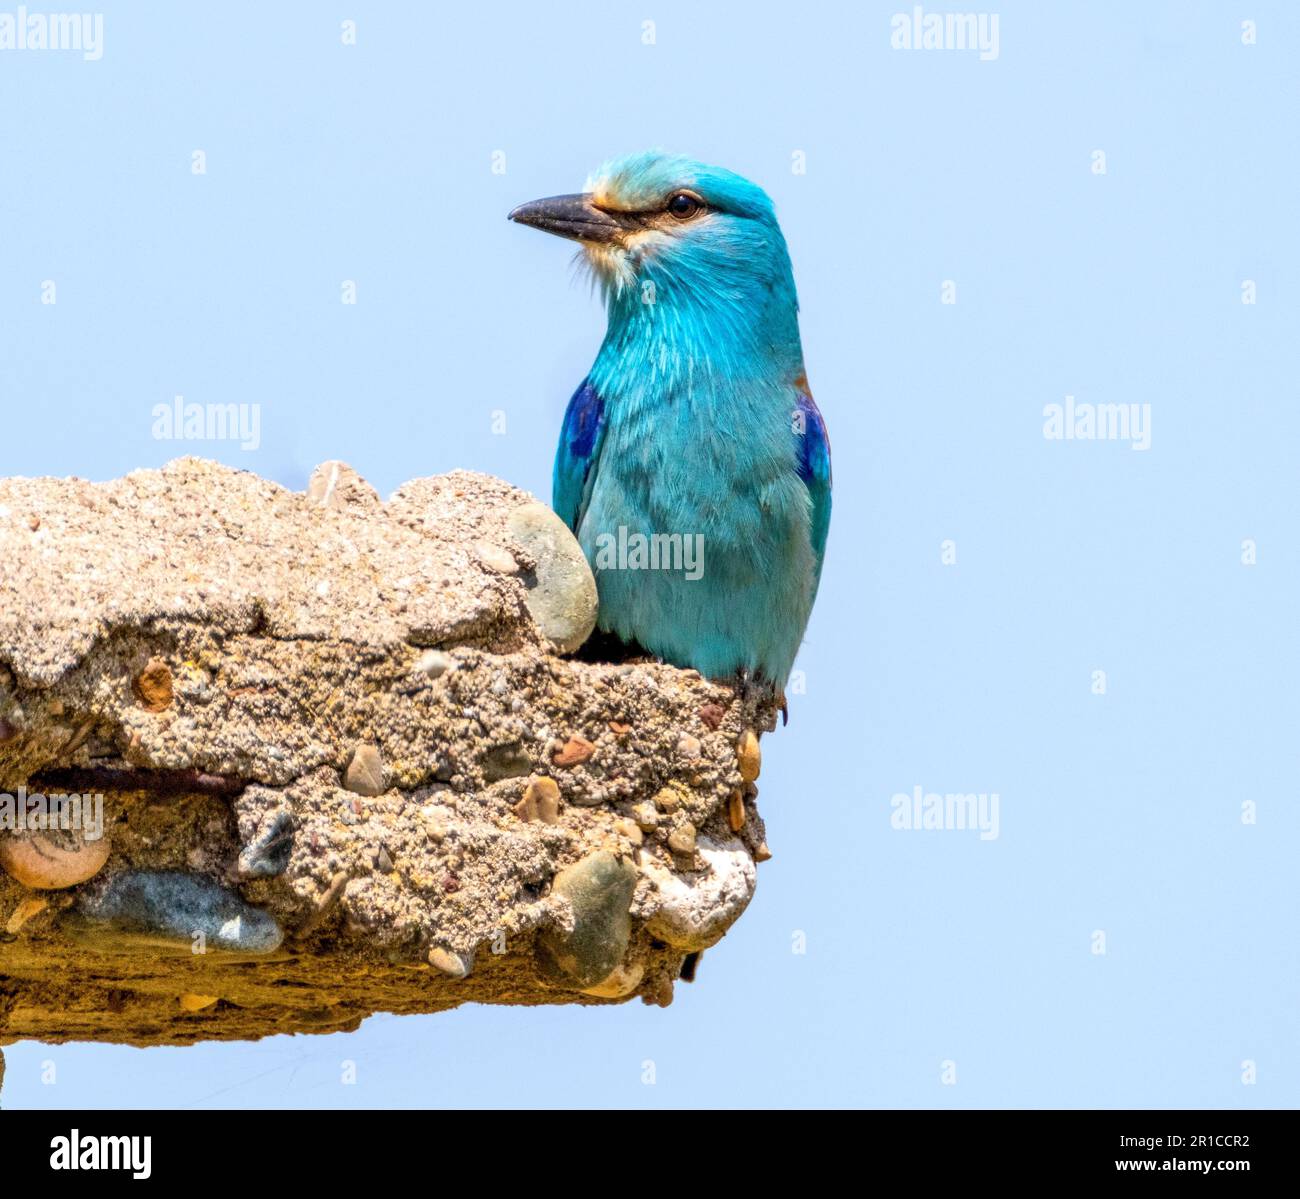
(760, 692)
(753, 687)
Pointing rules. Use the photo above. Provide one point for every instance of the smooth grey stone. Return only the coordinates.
(173, 906)
(599, 890)
(562, 600)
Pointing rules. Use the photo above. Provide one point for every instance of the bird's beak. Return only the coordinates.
(573, 216)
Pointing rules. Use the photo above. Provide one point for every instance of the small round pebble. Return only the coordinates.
(668, 799)
(498, 560)
(153, 686)
(453, 965)
(576, 750)
(628, 829)
(434, 663)
(682, 840)
(51, 861)
(541, 801)
(365, 772)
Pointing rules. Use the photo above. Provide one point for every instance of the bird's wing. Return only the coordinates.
(575, 459)
(814, 464)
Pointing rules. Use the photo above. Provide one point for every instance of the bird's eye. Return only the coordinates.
(683, 206)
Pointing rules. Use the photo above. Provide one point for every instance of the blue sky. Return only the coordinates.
(938, 969)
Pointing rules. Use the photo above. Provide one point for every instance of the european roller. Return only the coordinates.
(693, 465)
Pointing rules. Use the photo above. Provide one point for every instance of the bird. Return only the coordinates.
(696, 425)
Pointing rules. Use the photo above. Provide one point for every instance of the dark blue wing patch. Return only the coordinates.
(582, 420)
(814, 445)
(813, 462)
(575, 458)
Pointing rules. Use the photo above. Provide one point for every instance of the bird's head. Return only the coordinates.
(657, 229)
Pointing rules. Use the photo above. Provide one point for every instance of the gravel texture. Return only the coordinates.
(344, 764)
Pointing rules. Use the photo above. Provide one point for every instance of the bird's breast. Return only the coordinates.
(713, 460)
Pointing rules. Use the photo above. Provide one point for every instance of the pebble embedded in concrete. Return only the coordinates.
(736, 811)
(336, 485)
(692, 915)
(496, 559)
(505, 762)
(620, 983)
(53, 860)
(563, 600)
(576, 750)
(682, 839)
(541, 801)
(713, 715)
(668, 799)
(171, 906)
(749, 758)
(365, 772)
(153, 686)
(434, 663)
(629, 830)
(448, 962)
(598, 890)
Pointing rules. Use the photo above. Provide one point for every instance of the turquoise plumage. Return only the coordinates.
(693, 464)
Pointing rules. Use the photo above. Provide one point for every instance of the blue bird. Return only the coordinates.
(693, 465)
